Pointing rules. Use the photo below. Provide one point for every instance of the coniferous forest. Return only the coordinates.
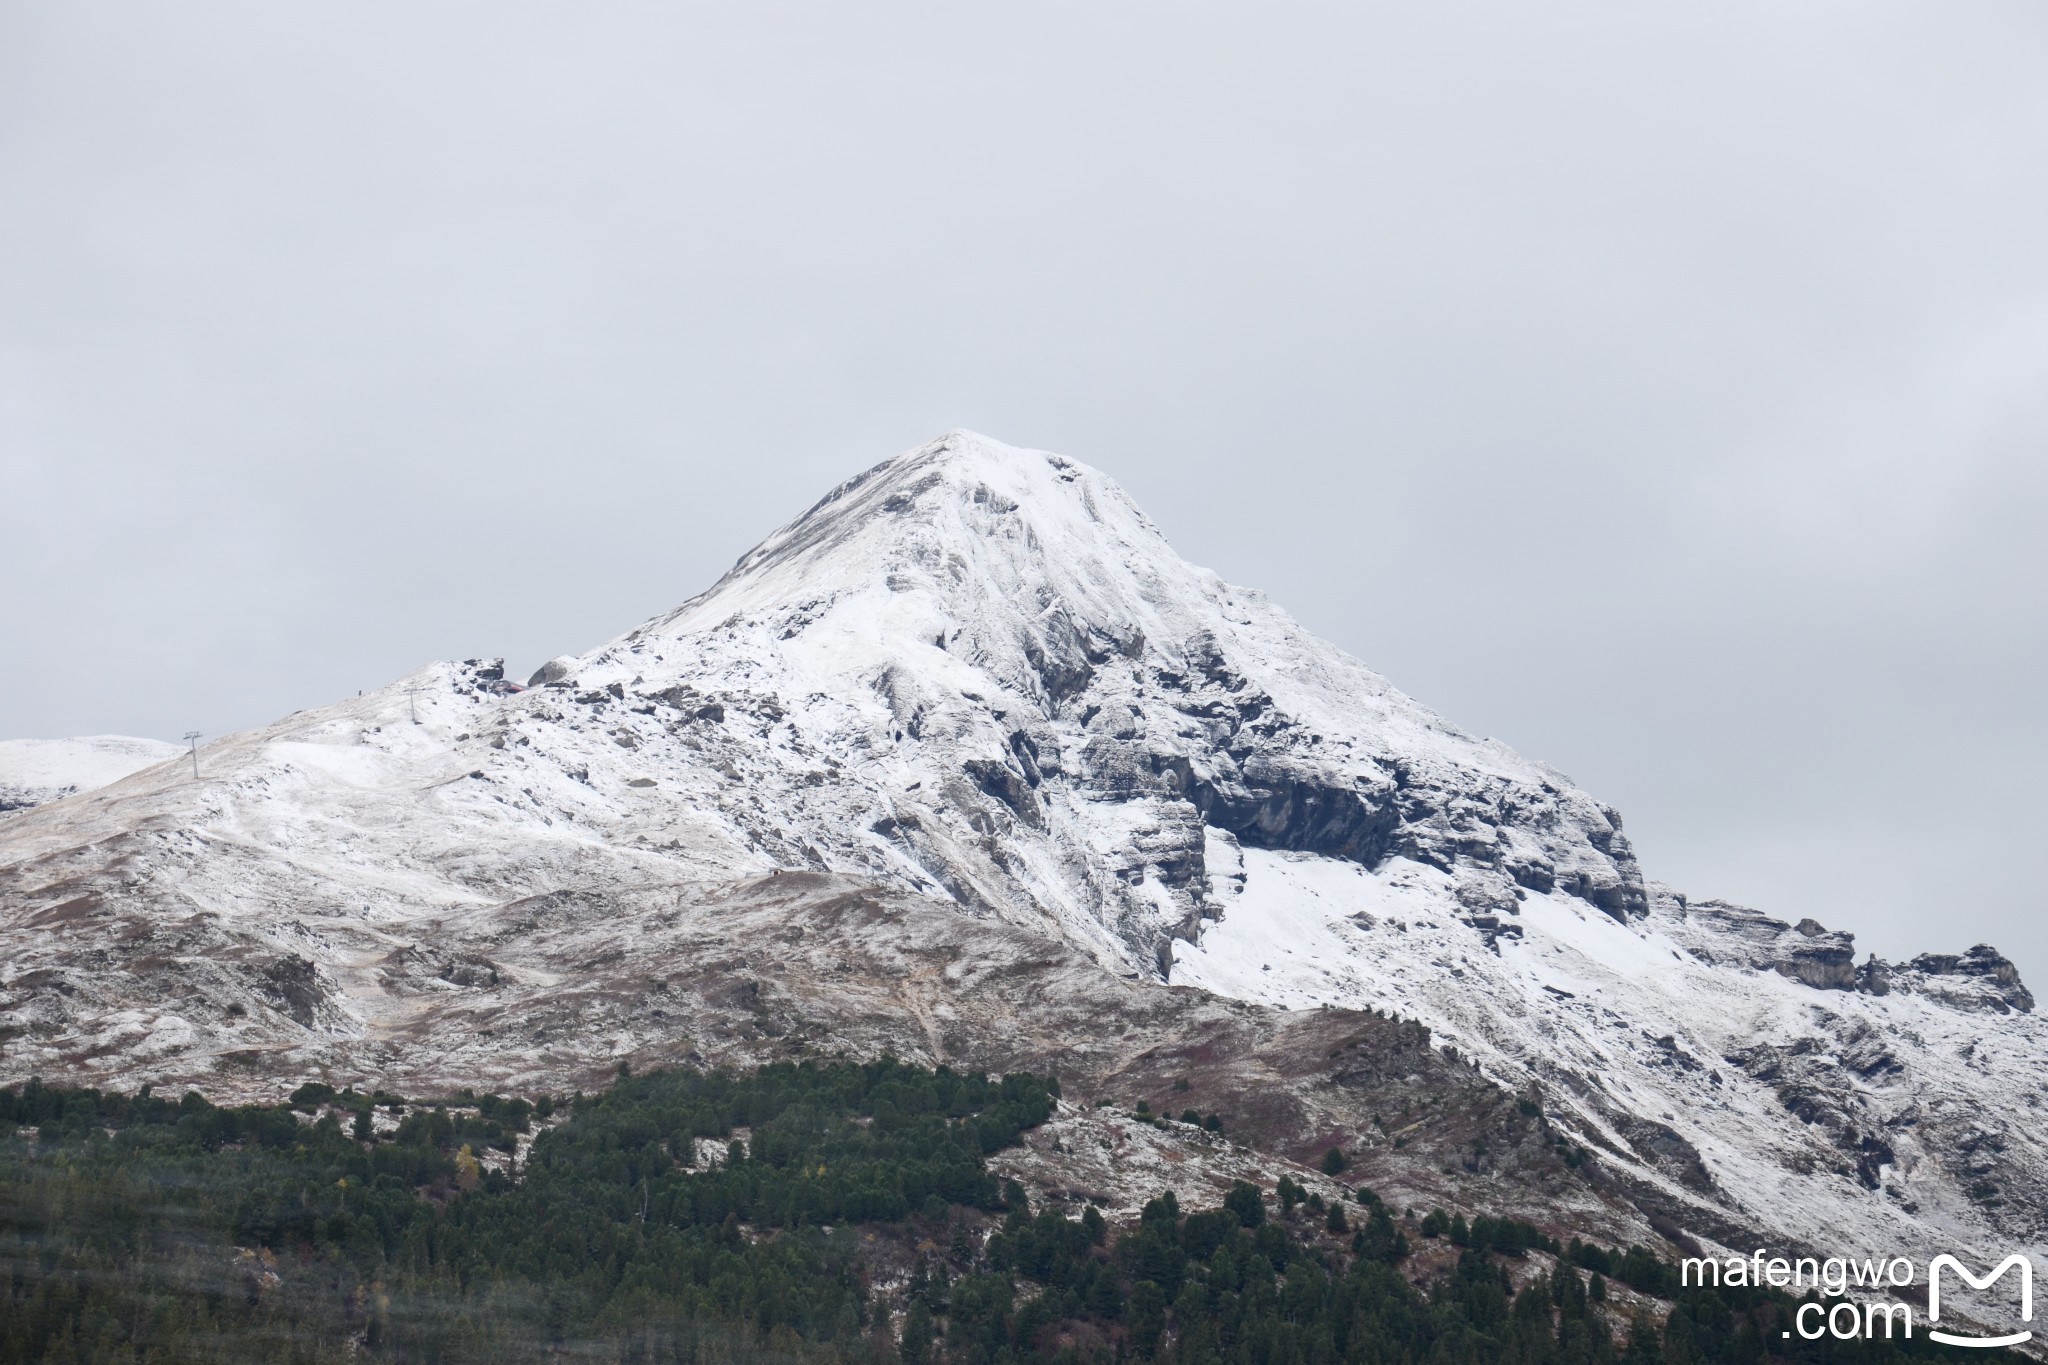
(799, 1213)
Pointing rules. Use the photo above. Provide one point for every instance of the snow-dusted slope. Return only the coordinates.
(33, 771)
(1690, 1040)
(980, 674)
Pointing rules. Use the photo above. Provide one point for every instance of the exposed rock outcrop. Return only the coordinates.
(1981, 978)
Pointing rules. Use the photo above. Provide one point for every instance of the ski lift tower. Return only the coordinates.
(192, 738)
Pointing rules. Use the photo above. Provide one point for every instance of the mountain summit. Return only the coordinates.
(965, 762)
(1040, 711)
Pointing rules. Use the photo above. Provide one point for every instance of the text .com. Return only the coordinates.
(1836, 1276)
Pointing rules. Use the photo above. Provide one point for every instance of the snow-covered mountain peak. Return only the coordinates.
(1030, 506)
(1025, 563)
(997, 644)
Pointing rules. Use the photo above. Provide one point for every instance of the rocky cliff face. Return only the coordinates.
(976, 685)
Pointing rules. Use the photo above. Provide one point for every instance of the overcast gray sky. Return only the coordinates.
(1661, 388)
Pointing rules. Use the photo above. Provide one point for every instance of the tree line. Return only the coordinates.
(812, 1213)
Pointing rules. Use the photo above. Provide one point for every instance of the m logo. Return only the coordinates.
(2026, 1268)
